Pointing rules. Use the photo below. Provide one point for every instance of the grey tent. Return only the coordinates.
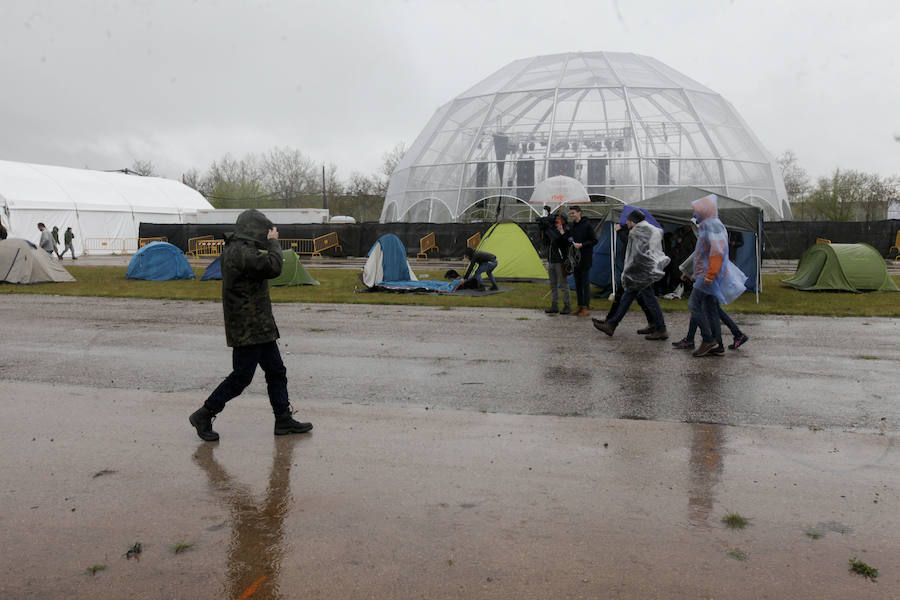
(23, 262)
(675, 207)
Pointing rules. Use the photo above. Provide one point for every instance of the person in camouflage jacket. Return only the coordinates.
(252, 256)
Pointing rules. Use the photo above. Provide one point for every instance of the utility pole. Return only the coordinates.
(324, 196)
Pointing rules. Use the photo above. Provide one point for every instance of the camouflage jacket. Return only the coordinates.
(248, 262)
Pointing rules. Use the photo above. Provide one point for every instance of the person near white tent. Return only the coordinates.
(47, 244)
(68, 236)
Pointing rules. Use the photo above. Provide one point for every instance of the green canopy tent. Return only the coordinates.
(843, 267)
(516, 256)
(292, 272)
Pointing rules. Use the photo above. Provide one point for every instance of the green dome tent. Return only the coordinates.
(843, 267)
(292, 272)
(516, 256)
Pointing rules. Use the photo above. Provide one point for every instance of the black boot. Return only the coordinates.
(202, 421)
(285, 424)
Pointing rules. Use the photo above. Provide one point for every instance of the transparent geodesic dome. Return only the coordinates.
(626, 126)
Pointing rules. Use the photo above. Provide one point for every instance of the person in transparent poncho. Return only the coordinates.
(715, 278)
(644, 265)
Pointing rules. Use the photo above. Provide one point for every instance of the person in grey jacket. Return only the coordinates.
(46, 242)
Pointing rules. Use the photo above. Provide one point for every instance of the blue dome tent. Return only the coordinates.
(159, 261)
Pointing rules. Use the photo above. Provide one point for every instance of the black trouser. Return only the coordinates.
(244, 360)
(618, 298)
(582, 276)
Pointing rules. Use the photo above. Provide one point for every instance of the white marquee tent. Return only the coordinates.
(95, 204)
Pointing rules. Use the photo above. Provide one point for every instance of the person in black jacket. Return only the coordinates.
(558, 253)
(583, 238)
(252, 256)
(486, 262)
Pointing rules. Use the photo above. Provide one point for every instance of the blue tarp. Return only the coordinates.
(445, 287)
(159, 261)
(627, 210)
(393, 258)
(213, 271)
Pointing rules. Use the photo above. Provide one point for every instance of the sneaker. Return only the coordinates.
(551, 311)
(657, 335)
(646, 330)
(604, 327)
(719, 350)
(738, 342)
(683, 344)
(567, 310)
(494, 288)
(704, 349)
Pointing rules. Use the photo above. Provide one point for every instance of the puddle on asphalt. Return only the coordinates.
(257, 524)
(705, 467)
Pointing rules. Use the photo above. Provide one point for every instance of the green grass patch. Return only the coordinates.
(868, 357)
(735, 521)
(861, 568)
(814, 535)
(180, 547)
(340, 285)
(94, 569)
(738, 555)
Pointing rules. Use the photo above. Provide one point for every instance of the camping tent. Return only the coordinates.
(844, 267)
(516, 256)
(292, 272)
(388, 269)
(387, 262)
(213, 271)
(159, 261)
(673, 209)
(97, 205)
(23, 262)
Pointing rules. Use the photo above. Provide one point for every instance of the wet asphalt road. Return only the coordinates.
(795, 371)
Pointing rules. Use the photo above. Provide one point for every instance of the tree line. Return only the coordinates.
(284, 177)
(845, 195)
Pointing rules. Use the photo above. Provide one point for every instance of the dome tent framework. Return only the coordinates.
(626, 126)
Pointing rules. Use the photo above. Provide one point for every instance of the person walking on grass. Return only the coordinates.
(582, 237)
(644, 265)
(252, 256)
(486, 263)
(68, 236)
(559, 252)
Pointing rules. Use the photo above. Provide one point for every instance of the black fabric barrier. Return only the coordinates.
(782, 240)
(790, 239)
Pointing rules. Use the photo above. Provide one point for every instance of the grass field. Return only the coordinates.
(339, 285)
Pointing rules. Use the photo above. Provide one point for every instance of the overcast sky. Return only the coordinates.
(181, 82)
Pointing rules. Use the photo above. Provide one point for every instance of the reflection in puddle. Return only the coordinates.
(257, 534)
(706, 468)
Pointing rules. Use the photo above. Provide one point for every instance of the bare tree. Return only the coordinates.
(289, 174)
(191, 178)
(796, 180)
(360, 185)
(390, 160)
(144, 168)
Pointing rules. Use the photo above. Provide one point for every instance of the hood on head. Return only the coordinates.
(707, 207)
(253, 225)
